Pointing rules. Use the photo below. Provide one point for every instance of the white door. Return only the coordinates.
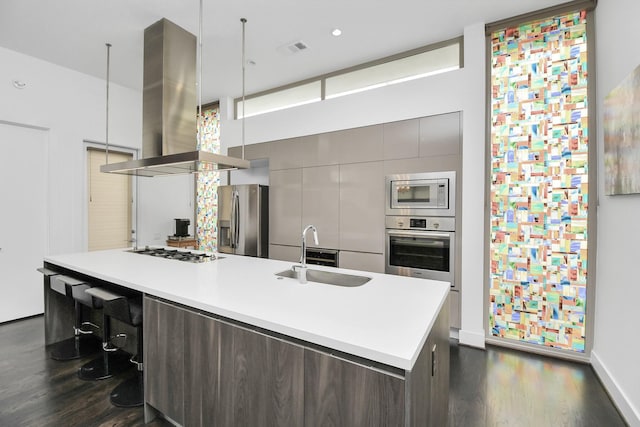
(23, 220)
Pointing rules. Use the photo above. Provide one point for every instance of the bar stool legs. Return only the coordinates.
(113, 360)
(130, 393)
(83, 343)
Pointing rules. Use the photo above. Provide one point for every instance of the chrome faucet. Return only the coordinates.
(301, 269)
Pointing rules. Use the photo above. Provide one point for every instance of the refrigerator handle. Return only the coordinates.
(235, 219)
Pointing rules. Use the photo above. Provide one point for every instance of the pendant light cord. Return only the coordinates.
(244, 21)
(107, 109)
(199, 83)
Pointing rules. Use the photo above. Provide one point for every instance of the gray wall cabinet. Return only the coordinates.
(362, 261)
(362, 207)
(303, 190)
(285, 206)
(321, 204)
(202, 370)
(440, 135)
(362, 144)
(454, 304)
(401, 139)
(285, 253)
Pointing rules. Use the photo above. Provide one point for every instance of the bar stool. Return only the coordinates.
(113, 361)
(83, 342)
(129, 393)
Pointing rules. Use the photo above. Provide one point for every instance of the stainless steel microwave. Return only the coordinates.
(428, 194)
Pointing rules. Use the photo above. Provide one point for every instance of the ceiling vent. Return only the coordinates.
(295, 47)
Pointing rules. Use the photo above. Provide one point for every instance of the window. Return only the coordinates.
(285, 98)
(415, 64)
(539, 182)
(208, 182)
(401, 70)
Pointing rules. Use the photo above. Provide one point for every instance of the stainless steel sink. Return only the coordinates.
(328, 277)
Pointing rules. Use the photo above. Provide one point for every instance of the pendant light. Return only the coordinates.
(108, 45)
(199, 79)
(244, 63)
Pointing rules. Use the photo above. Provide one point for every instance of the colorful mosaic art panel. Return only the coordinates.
(539, 185)
(207, 183)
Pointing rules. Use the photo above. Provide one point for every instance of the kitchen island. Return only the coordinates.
(228, 342)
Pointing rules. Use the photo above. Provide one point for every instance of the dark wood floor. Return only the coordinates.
(38, 391)
(502, 387)
(497, 387)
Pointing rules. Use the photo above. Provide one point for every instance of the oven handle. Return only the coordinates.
(412, 233)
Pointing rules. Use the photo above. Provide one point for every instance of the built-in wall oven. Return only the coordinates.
(420, 225)
(421, 247)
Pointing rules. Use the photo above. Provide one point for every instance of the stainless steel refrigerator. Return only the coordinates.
(243, 220)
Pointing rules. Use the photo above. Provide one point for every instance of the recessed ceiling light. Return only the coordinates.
(336, 32)
(19, 84)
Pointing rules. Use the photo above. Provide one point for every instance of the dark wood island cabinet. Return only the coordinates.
(231, 343)
(203, 370)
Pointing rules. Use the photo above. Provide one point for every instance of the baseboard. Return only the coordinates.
(630, 414)
(473, 339)
(6, 322)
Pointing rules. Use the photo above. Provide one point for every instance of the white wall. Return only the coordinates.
(461, 90)
(616, 351)
(71, 106)
(160, 201)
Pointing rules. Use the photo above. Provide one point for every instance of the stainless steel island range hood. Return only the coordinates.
(169, 145)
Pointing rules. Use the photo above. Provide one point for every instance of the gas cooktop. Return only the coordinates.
(180, 255)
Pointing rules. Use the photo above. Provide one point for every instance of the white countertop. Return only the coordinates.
(386, 320)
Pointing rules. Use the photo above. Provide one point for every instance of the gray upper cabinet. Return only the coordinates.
(285, 206)
(422, 164)
(287, 153)
(252, 151)
(346, 146)
(401, 139)
(321, 203)
(362, 207)
(440, 135)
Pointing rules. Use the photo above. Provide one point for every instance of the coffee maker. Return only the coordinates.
(182, 227)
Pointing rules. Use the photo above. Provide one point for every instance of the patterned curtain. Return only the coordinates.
(539, 187)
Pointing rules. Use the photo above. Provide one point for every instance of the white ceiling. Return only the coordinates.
(73, 33)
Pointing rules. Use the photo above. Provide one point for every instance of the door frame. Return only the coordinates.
(86, 145)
